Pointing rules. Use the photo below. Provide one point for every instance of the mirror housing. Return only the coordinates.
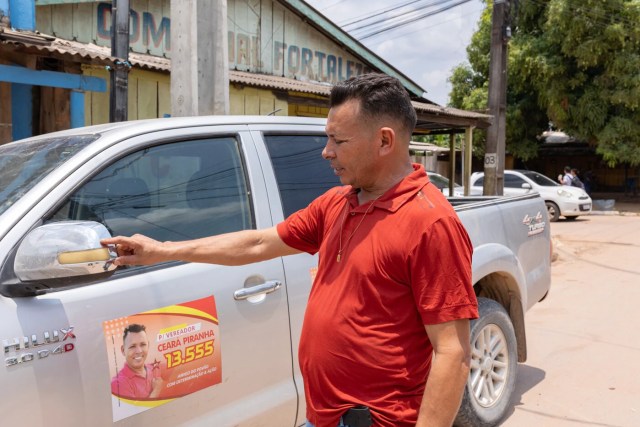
(58, 255)
(526, 186)
(64, 249)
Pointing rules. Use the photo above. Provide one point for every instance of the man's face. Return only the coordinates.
(135, 349)
(351, 148)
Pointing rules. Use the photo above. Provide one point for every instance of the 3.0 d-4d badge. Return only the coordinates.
(26, 347)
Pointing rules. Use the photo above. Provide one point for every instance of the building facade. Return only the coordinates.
(283, 57)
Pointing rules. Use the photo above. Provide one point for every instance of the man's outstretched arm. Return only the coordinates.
(238, 248)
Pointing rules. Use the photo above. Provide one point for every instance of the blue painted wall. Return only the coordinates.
(77, 109)
(21, 111)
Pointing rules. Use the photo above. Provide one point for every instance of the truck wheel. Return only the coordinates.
(492, 379)
(553, 211)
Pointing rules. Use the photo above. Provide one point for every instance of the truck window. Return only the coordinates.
(301, 173)
(176, 191)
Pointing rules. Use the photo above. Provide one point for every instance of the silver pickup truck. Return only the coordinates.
(222, 341)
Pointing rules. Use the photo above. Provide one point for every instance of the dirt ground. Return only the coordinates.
(584, 341)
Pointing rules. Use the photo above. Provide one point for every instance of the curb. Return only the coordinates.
(623, 213)
(605, 213)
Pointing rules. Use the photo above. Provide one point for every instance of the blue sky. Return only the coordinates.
(426, 50)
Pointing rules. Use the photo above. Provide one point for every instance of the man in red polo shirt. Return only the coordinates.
(387, 322)
(136, 380)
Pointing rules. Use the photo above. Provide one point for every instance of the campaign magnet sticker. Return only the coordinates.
(162, 354)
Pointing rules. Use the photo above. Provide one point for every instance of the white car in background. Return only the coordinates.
(561, 200)
(442, 182)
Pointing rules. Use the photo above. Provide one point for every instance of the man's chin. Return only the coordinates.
(344, 180)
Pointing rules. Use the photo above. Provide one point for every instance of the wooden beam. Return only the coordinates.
(26, 76)
(452, 163)
(468, 150)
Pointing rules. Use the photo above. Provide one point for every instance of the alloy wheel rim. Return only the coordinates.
(489, 366)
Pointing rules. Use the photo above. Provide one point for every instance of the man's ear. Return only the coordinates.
(122, 349)
(387, 140)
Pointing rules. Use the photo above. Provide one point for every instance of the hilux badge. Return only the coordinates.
(29, 348)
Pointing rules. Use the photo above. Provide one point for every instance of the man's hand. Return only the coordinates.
(137, 250)
(156, 387)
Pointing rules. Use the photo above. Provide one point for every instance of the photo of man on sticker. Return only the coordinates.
(137, 379)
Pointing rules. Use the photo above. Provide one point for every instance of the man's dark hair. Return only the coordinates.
(133, 328)
(379, 95)
(567, 169)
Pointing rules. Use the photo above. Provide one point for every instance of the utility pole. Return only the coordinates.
(494, 157)
(118, 95)
(199, 58)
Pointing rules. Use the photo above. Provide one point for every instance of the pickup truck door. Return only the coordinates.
(171, 185)
(296, 176)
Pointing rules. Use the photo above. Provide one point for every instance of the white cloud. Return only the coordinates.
(424, 51)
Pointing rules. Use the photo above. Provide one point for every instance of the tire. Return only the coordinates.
(571, 218)
(553, 211)
(494, 364)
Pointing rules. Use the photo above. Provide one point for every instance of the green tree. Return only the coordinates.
(593, 74)
(574, 62)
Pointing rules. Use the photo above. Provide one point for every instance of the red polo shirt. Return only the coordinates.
(407, 264)
(130, 385)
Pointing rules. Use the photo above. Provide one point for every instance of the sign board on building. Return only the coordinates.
(263, 36)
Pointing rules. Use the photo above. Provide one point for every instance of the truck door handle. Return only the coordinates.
(264, 288)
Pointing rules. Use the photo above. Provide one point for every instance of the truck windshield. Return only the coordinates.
(24, 164)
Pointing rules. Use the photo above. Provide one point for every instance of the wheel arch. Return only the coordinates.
(503, 288)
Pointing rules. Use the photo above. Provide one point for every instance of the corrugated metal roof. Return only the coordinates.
(278, 82)
(36, 42)
(424, 146)
(447, 111)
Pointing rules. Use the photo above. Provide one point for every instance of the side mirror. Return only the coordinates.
(526, 186)
(58, 254)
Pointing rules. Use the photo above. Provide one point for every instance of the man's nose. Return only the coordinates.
(328, 152)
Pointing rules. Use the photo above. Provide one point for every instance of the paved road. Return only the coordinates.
(583, 367)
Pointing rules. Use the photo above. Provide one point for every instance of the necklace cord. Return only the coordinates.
(344, 217)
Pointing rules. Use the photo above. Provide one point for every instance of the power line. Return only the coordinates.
(409, 21)
(377, 13)
(331, 5)
(404, 14)
(472, 12)
(597, 19)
